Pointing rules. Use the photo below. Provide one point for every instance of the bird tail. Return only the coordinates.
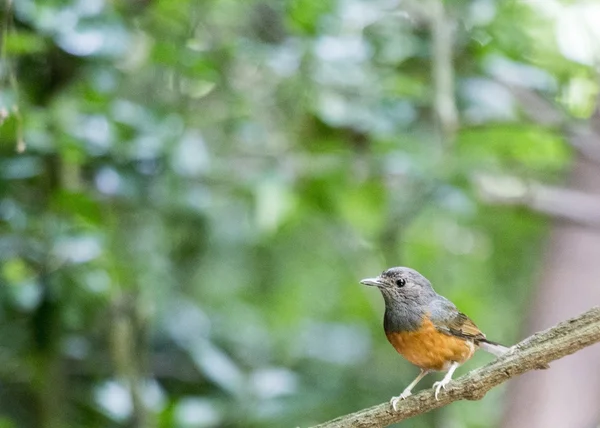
(493, 348)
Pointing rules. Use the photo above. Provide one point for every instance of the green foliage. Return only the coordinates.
(24, 43)
(204, 183)
(527, 148)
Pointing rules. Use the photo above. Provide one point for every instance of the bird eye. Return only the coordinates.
(400, 282)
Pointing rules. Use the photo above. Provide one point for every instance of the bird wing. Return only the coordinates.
(448, 320)
(461, 326)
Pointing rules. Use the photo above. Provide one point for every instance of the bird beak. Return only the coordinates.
(373, 282)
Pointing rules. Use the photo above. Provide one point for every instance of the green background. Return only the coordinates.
(204, 183)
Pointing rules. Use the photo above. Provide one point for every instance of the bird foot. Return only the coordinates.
(395, 400)
(439, 385)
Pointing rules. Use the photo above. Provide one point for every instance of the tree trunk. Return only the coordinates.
(569, 283)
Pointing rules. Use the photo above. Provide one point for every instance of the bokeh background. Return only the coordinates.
(190, 192)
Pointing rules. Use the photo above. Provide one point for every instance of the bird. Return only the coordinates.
(426, 328)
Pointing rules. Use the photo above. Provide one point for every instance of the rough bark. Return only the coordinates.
(532, 353)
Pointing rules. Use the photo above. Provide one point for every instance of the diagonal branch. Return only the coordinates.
(561, 203)
(582, 135)
(532, 353)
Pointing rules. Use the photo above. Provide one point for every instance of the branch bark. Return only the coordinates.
(532, 353)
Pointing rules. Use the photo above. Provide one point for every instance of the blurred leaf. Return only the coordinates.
(15, 271)
(78, 205)
(24, 43)
(216, 177)
(533, 147)
(306, 15)
(6, 423)
(363, 207)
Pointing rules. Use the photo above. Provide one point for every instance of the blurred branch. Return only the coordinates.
(566, 204)
(584, 137)
(8, 70)
(418, 11)
(586, 141)
(559, 341)
(536, 107)
(442, 28)
(125, 336)
(444, 104)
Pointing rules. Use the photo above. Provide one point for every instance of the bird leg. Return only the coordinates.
(446, 380)
(407, 391)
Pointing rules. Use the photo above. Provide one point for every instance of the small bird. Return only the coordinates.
(426, 328)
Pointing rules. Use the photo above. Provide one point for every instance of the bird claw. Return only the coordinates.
(439, 385)
(395, 400)
(405, 395)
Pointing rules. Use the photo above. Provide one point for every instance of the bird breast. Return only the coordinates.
(429, 349)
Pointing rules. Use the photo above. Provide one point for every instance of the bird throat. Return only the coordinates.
(401, 314)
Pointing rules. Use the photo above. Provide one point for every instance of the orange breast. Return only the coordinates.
(429, 349)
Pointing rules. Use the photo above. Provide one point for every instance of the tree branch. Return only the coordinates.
(561, 203)
(530, 354)
(583, 136)
(444, 104)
